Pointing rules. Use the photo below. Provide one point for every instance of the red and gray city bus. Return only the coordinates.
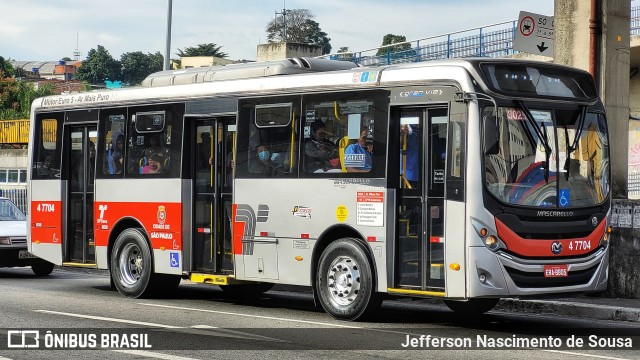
(467, 180)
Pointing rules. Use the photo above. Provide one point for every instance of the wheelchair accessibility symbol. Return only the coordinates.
(174, 259)
(564, 198)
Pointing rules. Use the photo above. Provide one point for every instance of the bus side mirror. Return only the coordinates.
(491, 136)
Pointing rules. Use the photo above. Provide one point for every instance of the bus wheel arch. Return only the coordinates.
(344, 275)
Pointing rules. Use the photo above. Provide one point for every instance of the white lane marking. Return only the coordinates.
(109, 319)
(153, 355)
(252, 316)
(196, 329)
(4, 358)
(587, 355)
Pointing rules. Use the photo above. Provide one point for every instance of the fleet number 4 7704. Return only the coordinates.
(579, 245)
(46, 207)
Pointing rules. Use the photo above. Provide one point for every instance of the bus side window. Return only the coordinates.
(266, 145)
(342, 131)
(113, 146)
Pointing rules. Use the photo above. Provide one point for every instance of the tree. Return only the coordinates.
(136, 66)
(6, 68)
(393, 39)
(298, 26)
(344, 54)
(209, 49)
(314, 36)
(17, 95)
(98, 67)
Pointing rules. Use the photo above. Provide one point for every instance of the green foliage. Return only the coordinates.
(136, 66)
(209, 49)
(393, 39)
(16, 97)
(6, 68)
(314, 36)
(298, 26)
(344, 54)
(98, 67)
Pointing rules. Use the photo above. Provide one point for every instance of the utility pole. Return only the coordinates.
(167, 50)
(284, 20)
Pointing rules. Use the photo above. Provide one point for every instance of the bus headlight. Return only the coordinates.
(488, 237)
(491, 242)
(605, 238)
(5, 241)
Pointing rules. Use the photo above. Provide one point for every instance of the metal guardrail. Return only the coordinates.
(494, 40)
(17, 194)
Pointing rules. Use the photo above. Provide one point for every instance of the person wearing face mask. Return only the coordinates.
(263, 164)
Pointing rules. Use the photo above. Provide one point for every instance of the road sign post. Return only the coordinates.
(535, 34)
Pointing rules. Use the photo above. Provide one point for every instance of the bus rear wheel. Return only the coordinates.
(472, 306)
(345, 282)
(131, 265)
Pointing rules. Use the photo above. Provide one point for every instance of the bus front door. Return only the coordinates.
(420, 246)
(81, 168)
(213, 175)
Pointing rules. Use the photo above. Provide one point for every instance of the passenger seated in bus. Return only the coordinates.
(357, 156)
(155, 147)
(156, 164)
(262, 163)
(46, 170)
(321, 155)
(116, 157)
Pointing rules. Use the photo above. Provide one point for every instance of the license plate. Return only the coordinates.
(556, 271)
(24, 254)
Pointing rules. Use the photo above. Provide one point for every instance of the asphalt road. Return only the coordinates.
(75, 308)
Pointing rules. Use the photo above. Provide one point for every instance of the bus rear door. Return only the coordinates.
(213, 180)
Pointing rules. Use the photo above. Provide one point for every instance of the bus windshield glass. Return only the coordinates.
(525, 80)
(554, 158)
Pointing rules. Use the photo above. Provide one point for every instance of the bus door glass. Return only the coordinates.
(213, 177)
(81, 160)
(420, 246)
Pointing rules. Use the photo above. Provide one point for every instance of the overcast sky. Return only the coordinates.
(49, 30)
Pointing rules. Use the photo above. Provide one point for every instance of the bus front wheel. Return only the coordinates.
(42, 268)
(345, 281)
(131, 265)
(472, 306)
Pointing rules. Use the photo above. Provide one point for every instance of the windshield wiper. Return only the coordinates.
(542, 134)
(574, 146)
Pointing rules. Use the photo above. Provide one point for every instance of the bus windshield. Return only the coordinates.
(546, 158)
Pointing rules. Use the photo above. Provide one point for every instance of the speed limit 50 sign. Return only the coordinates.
(534, 34)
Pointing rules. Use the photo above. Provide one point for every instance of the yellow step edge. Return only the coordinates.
(212, 279)
(77, 264)
(415, 292)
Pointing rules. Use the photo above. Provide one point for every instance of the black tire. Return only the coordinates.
(42, 268)
(472, 306)
(345, 282)
(246, 290)
(131, 265)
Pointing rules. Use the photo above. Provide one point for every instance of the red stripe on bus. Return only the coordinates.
(435, 239)
(237, 231)
(542, 247)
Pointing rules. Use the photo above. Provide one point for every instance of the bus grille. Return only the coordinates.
(526, 279)
(19, 241)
